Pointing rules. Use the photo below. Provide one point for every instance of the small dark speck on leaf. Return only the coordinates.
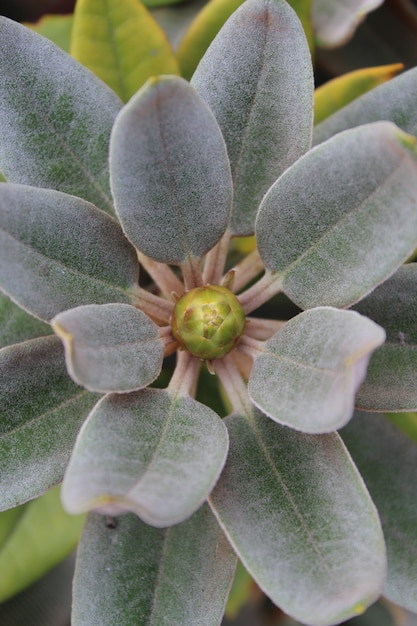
(111, 522)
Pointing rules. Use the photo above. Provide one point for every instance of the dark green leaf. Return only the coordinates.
(41, 411)
(130, 573)
(16, 325)
(387, 460)
(55, 118)
(391, 381)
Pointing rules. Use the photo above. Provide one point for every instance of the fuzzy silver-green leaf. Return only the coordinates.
(110, 347)
(391, 381)
(393, 101)
(335, 21)
(387, 460)
(170, 175)
(301, 520)
(257, 78)
(309, 371)
(177, 576)
(55, 118)
(148, 452)
(343, 218)
(58, 251)
(41, 412)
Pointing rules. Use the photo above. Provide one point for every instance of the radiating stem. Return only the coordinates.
(170, 344)
(234, 385)
(262, 291)
(185, 377)
(250, 346)
(167, 281)
(247, 269)
(243, 362)
(216, 260)
(156, 307)
(191, 272)
(262, 329)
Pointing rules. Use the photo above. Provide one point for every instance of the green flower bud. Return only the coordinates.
(208, 322)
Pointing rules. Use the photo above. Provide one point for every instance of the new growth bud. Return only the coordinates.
(208, 322)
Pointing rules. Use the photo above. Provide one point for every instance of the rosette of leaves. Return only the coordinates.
(174, 492)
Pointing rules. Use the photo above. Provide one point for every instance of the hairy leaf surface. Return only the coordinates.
(41, 411)
(343, 218)
(342, 90)
(393, 101)
(391, 381)
(55, 118)
(121, 43)
(257, 78)
(170, 174)
(110, 347)
(387, 460)
(149, 452)
(309, 371)
(180, 575)
(58, 251)
(202, 31)
(318, 550)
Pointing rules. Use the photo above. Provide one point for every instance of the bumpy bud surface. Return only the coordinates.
(208, 321)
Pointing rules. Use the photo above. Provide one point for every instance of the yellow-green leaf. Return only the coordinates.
(202, 31)
(337, 93)
(57, 28)
(43, 535)
(407, 422)
(121, 43)
(239, 592)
